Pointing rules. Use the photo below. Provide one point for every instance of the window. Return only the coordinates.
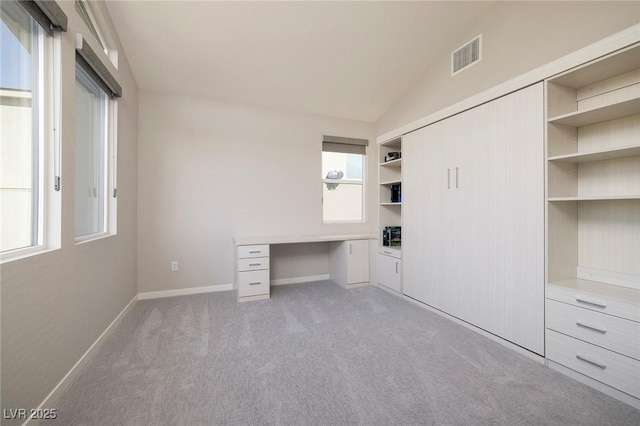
(90, 166)
(343, 179)
(22, 134)
(96, 144)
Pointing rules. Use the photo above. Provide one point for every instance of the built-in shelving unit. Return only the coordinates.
(389, 266)
(593, 220)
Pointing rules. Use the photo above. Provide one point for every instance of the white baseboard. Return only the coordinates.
(298, 280)
(612, 392)
(57, 391)
(184, 291)
(388, 290)
(522, 351)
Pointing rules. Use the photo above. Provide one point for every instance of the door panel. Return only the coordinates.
(473, 216)
(357, 261)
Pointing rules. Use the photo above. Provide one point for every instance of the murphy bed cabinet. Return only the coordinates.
(389, 258)
(473, 216)
(593, 213)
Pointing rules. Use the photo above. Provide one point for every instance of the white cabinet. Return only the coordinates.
(252, 272)
(349, 262)
(389, 270)
(593, 228)
(390, 210)
(473, 243)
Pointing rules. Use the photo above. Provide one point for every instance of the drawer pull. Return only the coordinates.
(386, 252)
(591, 302)
(591, 327)
(255, 251)
(592, 362)
(255, 264)
(258, 283)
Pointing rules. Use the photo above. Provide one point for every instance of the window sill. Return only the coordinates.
(25, 253)
(93, 237)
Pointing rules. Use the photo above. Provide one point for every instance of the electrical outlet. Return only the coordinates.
(174, 265)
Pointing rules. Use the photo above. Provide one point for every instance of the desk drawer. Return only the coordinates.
(253, 264)
(615, 370)
(253, 283)
(246, 252)
(617, 334)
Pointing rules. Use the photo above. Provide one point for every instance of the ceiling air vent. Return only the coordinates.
(467, 55)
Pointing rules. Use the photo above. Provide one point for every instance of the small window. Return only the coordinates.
(343, 179)
(21, 124)
(91, 155)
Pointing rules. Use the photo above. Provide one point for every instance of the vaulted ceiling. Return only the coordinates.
(339, 59)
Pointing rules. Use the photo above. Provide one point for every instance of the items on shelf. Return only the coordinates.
(396, 193)
(392, 236)
(395, 155)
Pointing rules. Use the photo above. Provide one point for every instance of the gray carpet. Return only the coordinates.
(316, 354)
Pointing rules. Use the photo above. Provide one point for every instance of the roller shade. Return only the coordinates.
(91, 63)
(47, 13)
(344, 145)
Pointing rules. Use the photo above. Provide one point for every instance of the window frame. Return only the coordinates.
(46, 152)
(109, 128)
(362, 183)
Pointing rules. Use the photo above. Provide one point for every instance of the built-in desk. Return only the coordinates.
(348, 261)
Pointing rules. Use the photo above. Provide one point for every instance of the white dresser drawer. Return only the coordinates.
(617, 334)
(391, 251)
(246, 252)
(615, 370)
(253, 283)
(253, 264)
(609, 299)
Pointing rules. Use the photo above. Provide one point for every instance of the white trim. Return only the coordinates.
(84, 359)
(10, 256)
(184, 291)
(603, 47)
(299, 280)
(93, 237)
(522, 351)
(608, 390)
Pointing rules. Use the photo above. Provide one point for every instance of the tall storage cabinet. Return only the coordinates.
(473, 216)
(593, 163)
(389, 258)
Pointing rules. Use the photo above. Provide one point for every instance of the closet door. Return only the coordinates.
(501, 225)
(428, 234)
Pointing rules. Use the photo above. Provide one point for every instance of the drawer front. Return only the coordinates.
(393, 252)
(595, 303)
(246, 252)
(615, 370)
(253, 283)
(617, 334)
(253, 264)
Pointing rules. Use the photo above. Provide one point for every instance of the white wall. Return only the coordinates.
(209, 171)
(516, 37)
(55, 305)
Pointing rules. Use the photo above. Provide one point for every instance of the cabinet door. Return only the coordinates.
(428, 235)
(389, 272)
(501, 217)
(357, 261)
